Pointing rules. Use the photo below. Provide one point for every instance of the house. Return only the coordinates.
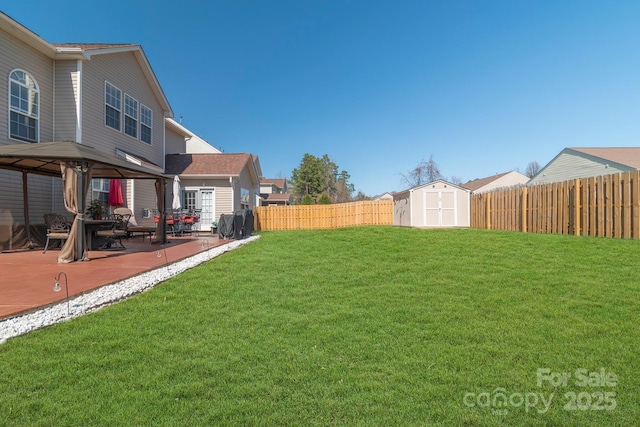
(101, 95)
(502, 180)
(273, 192)
(436, 204)
(383, 196)
(215, 183)
(586, 162)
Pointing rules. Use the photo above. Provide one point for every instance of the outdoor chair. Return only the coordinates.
(132, 226)
(58, 228)
(116, 231)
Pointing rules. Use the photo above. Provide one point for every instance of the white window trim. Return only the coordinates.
(150, 126)
(9, 109)
(104, 113)
(125, 115)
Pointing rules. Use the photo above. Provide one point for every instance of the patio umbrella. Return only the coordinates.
(176, 205)
(115, 193)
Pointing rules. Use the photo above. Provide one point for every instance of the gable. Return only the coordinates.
(572, 163)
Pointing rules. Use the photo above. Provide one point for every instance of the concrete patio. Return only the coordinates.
(28, 275)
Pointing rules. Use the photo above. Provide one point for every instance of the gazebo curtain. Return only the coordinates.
(74, 203)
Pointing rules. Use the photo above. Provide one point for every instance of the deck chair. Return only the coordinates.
(58, 228)
(117, 231)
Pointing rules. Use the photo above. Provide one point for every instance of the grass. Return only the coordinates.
(359, 326)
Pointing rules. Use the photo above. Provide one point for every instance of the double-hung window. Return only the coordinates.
(146, 124)
(100, 190)
(130, 116)
(23, 106)
(113, 106)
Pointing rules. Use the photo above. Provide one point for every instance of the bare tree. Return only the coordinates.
(455, 180)
(532, 169)
(426, 171)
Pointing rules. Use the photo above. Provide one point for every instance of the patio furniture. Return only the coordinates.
(117, 231)
(58, 228)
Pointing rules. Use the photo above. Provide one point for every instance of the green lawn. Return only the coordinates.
(359, 326)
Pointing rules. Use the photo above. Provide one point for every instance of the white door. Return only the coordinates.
(440, 208)
(208, 209)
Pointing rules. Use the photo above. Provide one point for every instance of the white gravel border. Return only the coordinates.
(109, 294)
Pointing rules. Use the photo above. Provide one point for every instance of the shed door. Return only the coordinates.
(440, 208)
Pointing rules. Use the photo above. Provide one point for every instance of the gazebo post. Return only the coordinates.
(81, 204)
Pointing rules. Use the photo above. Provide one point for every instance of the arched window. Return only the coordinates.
(24, 103)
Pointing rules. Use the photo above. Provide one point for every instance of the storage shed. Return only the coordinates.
(436, 204)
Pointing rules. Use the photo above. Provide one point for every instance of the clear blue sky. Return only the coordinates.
(483, 86)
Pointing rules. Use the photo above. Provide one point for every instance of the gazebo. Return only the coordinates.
(77, 164)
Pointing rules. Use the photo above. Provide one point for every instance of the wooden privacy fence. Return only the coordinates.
(307, 217)
(605, 206)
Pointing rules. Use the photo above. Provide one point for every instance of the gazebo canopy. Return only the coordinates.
(44, 159)
(85, 162)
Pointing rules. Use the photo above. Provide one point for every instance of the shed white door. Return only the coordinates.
(440, 208)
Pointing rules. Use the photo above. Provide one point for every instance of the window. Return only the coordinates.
(100, 190)
(146, 122)
(130, 116)
(23, 106)
(245, 198)
(190, 200)
(113, 101)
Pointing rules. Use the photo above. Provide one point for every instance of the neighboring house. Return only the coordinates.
(587, 162)
(273, 192)
(216, 183)
(101, 95)
(436, 204)
(503, 180)
(383, 196)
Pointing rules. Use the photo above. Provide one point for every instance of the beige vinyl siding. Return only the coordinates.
(144, 197)
(175, 143)
(224, 198)
(246, 183)
(67, 100)
(15, 54)
(123, 71)
(569, 166)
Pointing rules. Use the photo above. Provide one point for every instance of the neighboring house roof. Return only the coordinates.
(584, 162)
(628, 156)
(220, 164)
(278, 182)
(473, 185)
(501, 180)
(276, 197)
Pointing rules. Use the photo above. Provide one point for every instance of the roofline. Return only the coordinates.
(146, 67)
(178, 127)
(581, 154)
(24, 34)
(205, 175)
